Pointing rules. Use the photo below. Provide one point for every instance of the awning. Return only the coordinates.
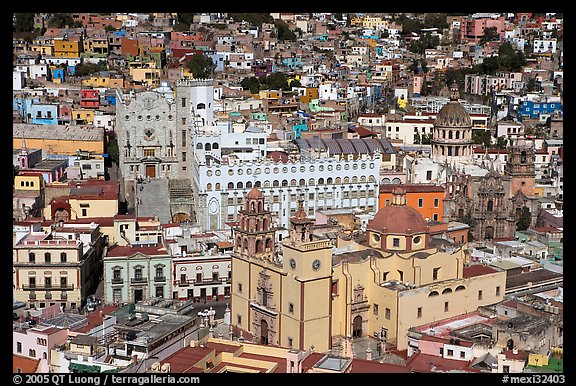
(84, 368)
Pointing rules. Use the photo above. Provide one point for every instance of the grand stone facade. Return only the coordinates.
(159, 137)
(155, 140)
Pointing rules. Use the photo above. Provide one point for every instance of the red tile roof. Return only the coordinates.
(478, 270)
(128, 250)
(183, 360)
(95, 318)
(425, 363)
(24, 365)
(366, 366)
(281, 368)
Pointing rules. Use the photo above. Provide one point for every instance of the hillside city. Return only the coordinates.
(287, 193)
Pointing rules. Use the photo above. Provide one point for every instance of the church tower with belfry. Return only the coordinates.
(280, 302)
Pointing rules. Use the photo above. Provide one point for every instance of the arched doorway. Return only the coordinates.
(489, 233)
(263, 332)
(180, 217)
(357, 327)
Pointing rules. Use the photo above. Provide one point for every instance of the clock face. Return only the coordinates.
(292, 263)
(316, 265)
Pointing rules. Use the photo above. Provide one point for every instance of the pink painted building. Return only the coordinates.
(472, 28)
(36, 343)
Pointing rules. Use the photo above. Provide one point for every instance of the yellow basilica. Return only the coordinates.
(388, 280)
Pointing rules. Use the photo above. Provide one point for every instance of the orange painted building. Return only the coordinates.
(425, 198)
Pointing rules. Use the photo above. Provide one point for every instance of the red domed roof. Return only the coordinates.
(254, 193)
(398, 219)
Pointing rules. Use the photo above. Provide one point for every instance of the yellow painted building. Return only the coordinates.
(394, 280)
(59, 139)
(85, 116)
(96, 81)
(145, 72)
(67, 48)
(57, 267)
(282, 304)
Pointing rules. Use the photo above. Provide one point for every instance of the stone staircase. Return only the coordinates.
(180, 190)
(155, 200)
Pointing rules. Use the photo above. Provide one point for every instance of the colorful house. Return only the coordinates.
(425, 198)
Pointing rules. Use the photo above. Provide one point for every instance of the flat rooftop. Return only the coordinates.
(58, 132)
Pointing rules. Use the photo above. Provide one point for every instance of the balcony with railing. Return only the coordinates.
(44, 287)
(139, 280)
(159, 279)
(117, 280)
(208, 281)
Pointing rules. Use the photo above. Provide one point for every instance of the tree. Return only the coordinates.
(24, 22)
(524, 219)
(63, 20)
(201, 66)
(251, 83)
(113, 152)
(15, 171)
(501, 142)
(490, 34)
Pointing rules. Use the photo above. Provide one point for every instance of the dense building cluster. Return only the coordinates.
(322, 192)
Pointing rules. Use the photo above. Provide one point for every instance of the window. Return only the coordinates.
(32, 353)
(435, 272)
(47, 257)
(84, 212)
(480, 295)
(291, 308)
(498, 291)
(138, 273)
(117, 273)
(63, 257)
(149, 152)
(396, 242)
(19, 347)
(420, 203)
(429, 174)
(419, 314)
(31, 257)
(199, 278)
(240, 287)
(183, 156)
(63, 282)
(290, 342)
(159, 272)
(450, 353)
(462, 354)
(387, 313)
(436, 203)
(32, 282)
(238, 319)
(445, 306)
(401, 275)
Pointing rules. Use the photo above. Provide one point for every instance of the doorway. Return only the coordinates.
(263, 332)
(151, 171)
(138, 295)
(357, 327)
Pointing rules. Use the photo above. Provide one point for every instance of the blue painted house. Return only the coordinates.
(531, 109)
(58, 74)
(44, 113)
(24, 107)
(292, 63)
